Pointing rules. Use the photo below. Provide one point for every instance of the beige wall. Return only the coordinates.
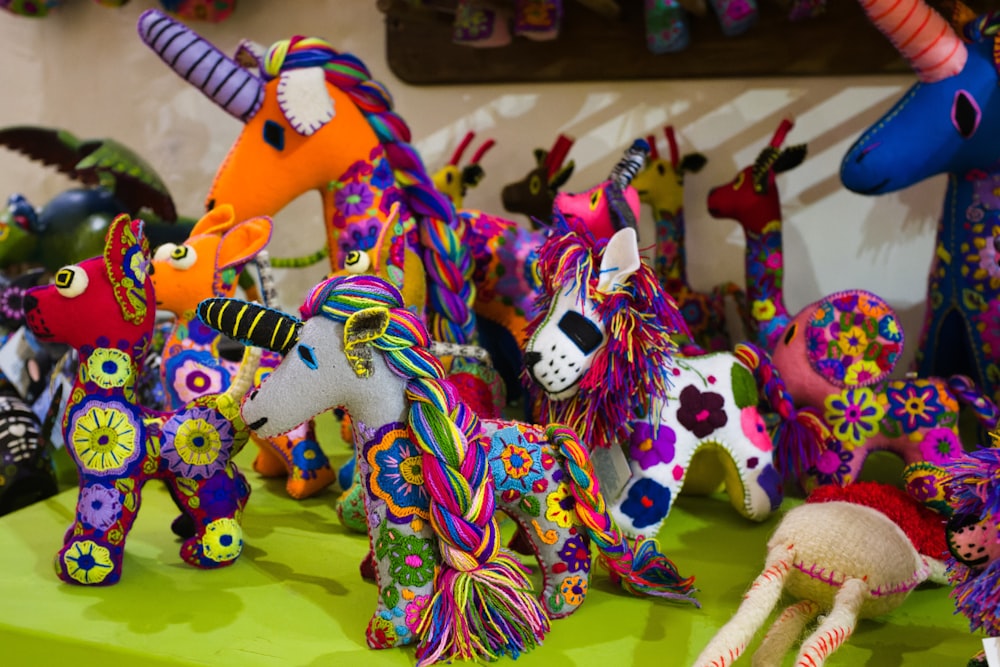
(85, 70)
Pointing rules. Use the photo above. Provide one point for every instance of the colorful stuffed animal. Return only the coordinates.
(72, 225)
(602, 351)
(752, 199)
(103, 308)
(841, 562)
(661, 185)
(435, 474)
(484, 24)
(314, 119)
(947, 124)
(535, 194)
(189, 10)
(974, 567)
(193, 365)
(454, 182)
(836, 356)
(668, 24)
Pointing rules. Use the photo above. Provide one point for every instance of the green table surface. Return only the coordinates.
(295, 596)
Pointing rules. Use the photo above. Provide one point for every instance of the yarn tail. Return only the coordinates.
(969, 394)
(642, 570)
(482, 614)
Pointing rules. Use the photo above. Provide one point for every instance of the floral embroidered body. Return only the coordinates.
(765, 284)
(118, 446)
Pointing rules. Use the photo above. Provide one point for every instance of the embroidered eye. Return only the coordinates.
(535, 184)
(357, 261)
(595, 199)
(274, 135)
(965, 114)
(584, 333)
(162, 253)
(790, 333)
(71, 281)
(738, 183)
(307, 356)
(183, 257)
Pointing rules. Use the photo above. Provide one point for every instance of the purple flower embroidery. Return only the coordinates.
(354, 199)
(652, 445)
(197, 442)
(701, 412)
(576, 554)
(100, 506)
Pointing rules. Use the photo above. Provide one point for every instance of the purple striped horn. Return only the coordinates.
(921, 35)
(238, 91)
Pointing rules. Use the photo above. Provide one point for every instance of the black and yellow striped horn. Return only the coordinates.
(251, 323)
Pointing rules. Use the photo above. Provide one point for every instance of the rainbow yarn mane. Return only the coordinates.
(447, 260)
(640, 320)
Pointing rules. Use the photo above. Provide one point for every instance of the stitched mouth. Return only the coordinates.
(257, 424)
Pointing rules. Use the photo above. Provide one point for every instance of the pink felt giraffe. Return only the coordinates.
(752, 199)
(661, 185)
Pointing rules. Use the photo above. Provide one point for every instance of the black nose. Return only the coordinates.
(30, 302)
(531, 358)
(210, 204)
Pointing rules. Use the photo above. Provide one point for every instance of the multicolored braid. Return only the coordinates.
(642, 571)
(968, 393)
(447, 259)
(799, 438)
(482, 606)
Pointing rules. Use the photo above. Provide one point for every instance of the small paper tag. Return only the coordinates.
(14, 356)
(992, 647)
(612, 470)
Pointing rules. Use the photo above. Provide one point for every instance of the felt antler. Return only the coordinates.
(675, 154)
(251, 324)
(557, 154)
(921, 35)
(487, 145)
(456, 157)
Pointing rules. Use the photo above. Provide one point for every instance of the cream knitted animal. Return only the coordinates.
(846, 560)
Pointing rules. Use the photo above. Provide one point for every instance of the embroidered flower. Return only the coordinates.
(854, 415)
(987, 191)
(100, 506)
(197, 442)
(853, 341)
(914, 404)
(701, 412)
(354, 199)
(308, 458)
(415, 611)
(104, 437)
(861, 372)
(382, 633)
(88, 562)
(888, 328)
(221, 495)
(834, 463)
(560, 507)
(109, 368)
(652, 445)
(411, 560)
(196, 373)
(646, 503)
(755, 429)
(763, 309)
(398, 476)
(200, 333)
(693, 314)
(382, 176)
(940, 446)
(576, 554)
(925, 488)
(513, 460)
(361, 235)
(574, 590)
(223, 540)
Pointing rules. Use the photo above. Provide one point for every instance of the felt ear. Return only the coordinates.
(360, 330)
(540, 155)
(472, 174)
(126, 261)
(27, 279)
(216, 221)
(242, 243)
(251, 323)
(304, 99)
(250, 54)
(790, 158)
(560, 177)
(692, 163)
(620, 260)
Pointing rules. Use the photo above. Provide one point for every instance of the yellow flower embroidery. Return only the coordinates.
(104, 438)
(109, 368)
(763, 310)
(88, 562)
(223, 540)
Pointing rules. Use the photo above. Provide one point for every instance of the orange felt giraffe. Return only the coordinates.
(194, 356)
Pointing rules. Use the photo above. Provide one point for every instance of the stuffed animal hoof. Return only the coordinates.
(268, 462)
(218, 545)
(89, 562)
(183, 526)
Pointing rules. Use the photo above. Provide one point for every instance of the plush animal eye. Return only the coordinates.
(790, 333)
(448, 177)
(274, 135)
(581, 331)
(661, 169)
(162, 253)
(535, 184)
(965, 114)
(738, 183)
(71, 281)
(357, 261)
(183, 257)
(307, 356)
(595, 198)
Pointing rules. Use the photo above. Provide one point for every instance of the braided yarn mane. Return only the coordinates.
(640, 320)
(447, 259)
(482, 606)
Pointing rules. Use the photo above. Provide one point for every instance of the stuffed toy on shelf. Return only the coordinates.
(435, 474)
(947, 123)
(189, 10)
(103, 308)
(535, 194)
(661, 186)
(454, 181)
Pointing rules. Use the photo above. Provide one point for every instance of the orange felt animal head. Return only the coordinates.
(103, 301)
(207, 264)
